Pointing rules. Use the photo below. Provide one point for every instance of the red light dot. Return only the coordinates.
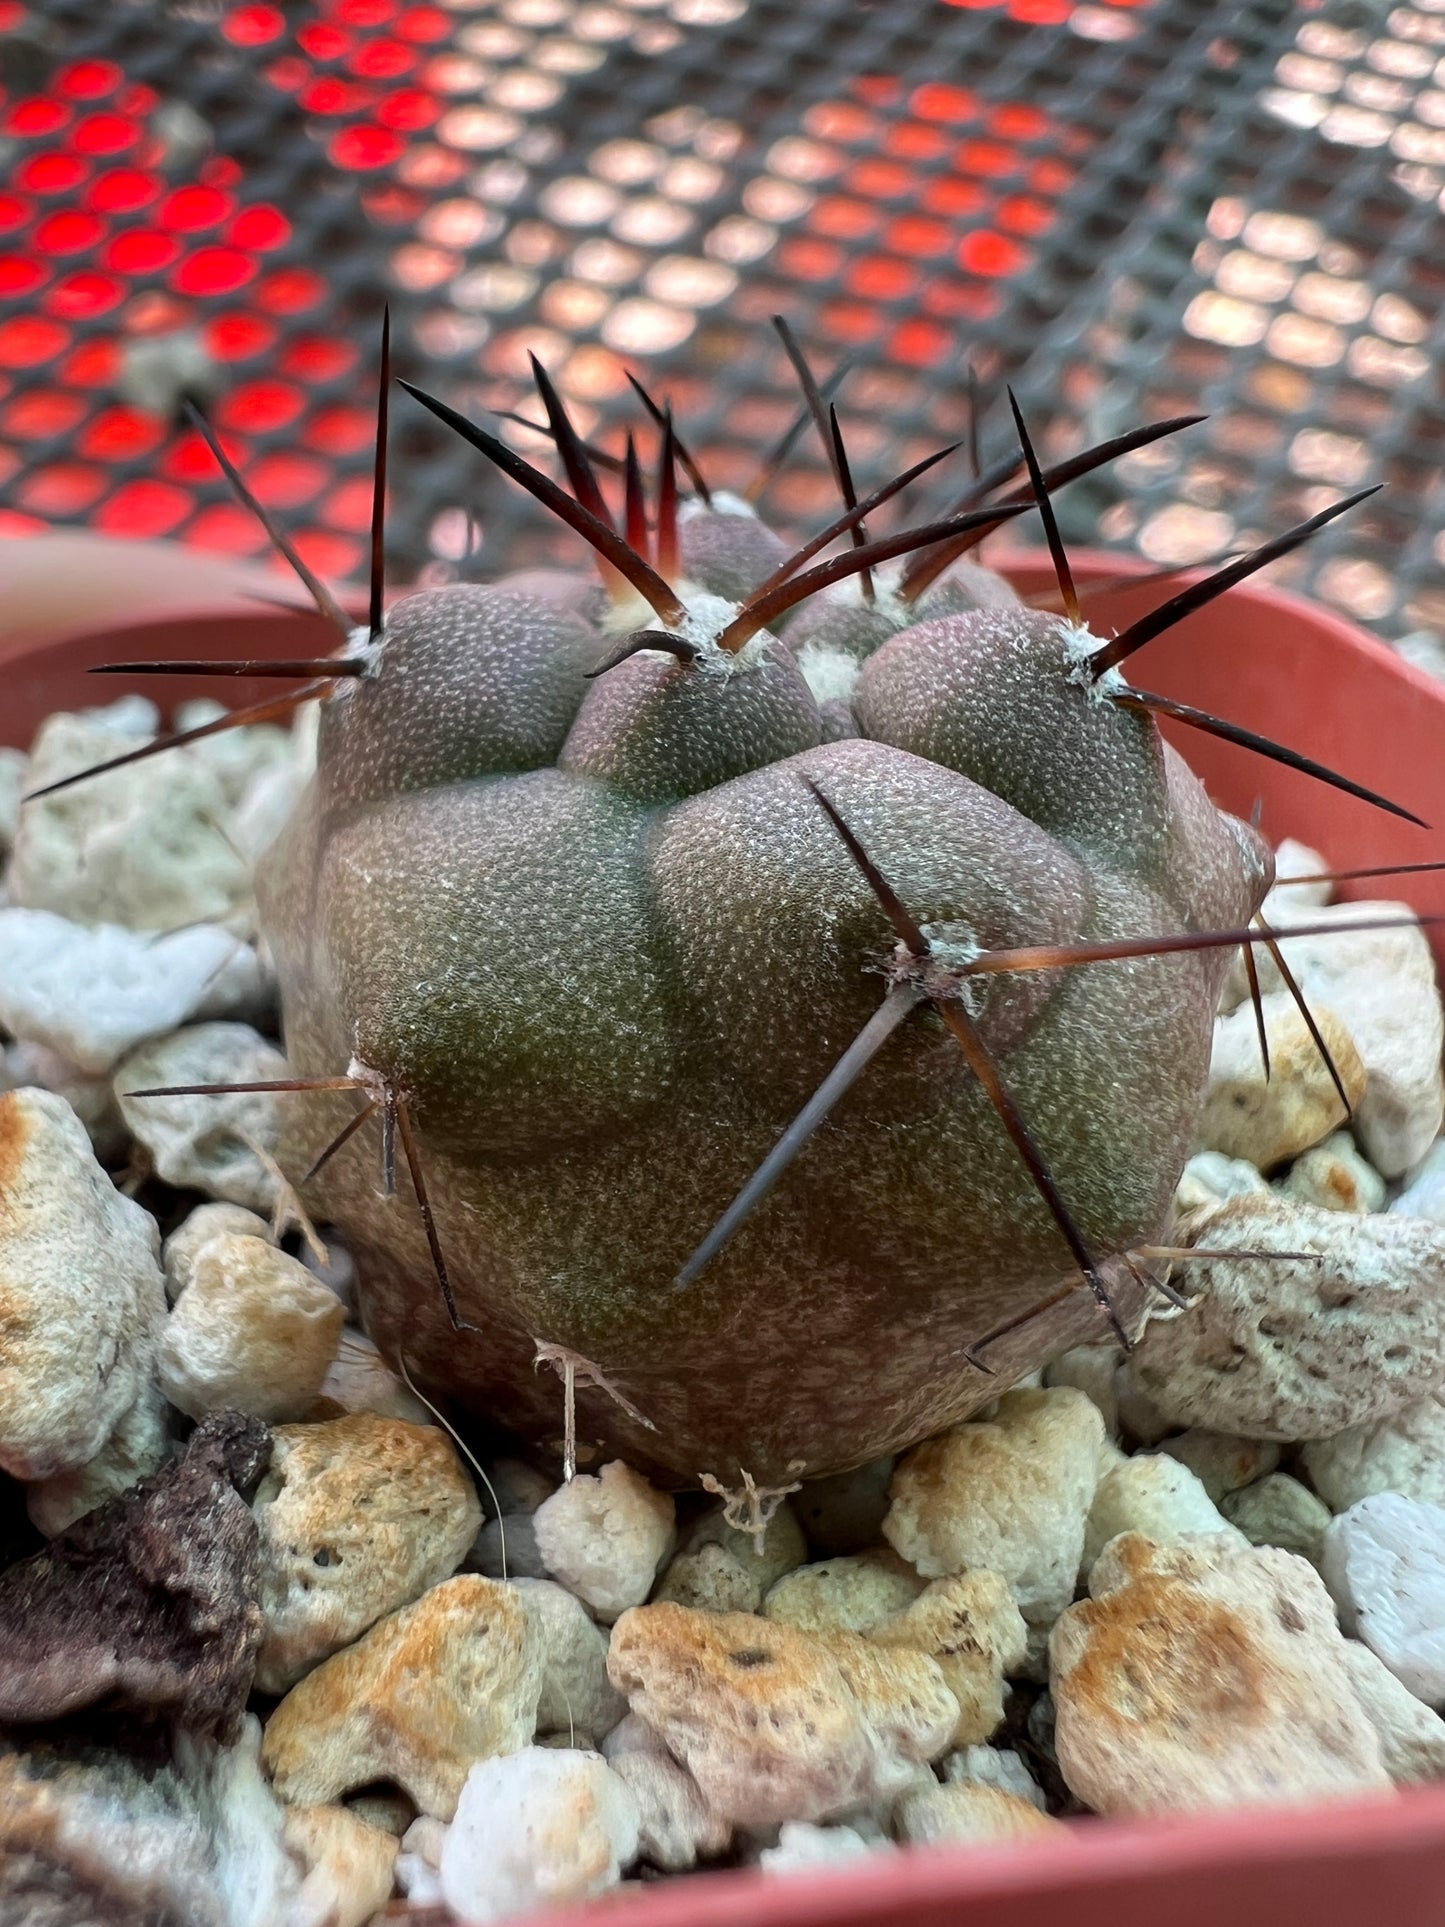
(104, 134)
(83, 294)
(88, 79)
(920, 343)
(253, 26)
(286, 481)
(1041, 13)
(950, 195)
(143, 509)
(984, 252)
(13, 524)
(849, 321)
(14, 213)
(288, 73)
(142, 251)
(366, 13)
(32, 117)
(259, 227)
(1050, 177)
(43, 412)
(882, 279)
(424, 25)
(12, 15)
(190, 209)
(29, 339)
(137, 101)
(364, 147)
(95, 364)
(409, 109)
(221, 171)
(912, 234)
(261, 406)
(991, 159)
(290, 290)
(809, 260)
(938, 101)
(119, 432)
(50, 173)
(331, 556)
(63, 488)
(330, 95)
(228, 528)
(213, 271)
(382, 60)
(844, 219)
(341, 431)
(68, 233)
(323, 41)
(974, 6)
(1016, 122)
(915, 142)
(19, 275)
(122, 190)
(1021, 214)
(235, 337)
(348, 506)
(189, 459)
(315, 358)
(391, 205)
(880, 180)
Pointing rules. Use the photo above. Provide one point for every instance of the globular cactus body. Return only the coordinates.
(605, 940)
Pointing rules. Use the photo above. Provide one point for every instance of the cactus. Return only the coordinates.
(789, 983)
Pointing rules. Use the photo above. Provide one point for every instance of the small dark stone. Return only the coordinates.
(150, 1602)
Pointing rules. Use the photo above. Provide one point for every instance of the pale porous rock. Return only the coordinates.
(1221, 1463)
(13, 765)
(1412, 1738)
(1403, 1453)
(1335, 1177)
(418, 1865)
(94, 993)
(1381, 983)
(358, 1379)
(1094, 1371)
(1289, 897)
(357, 1517)
(1011, 1494)
(137, 1447)
(144, 846)
(852, 1594)
(1206, 1674)
(967, 1812)
(844, 1513)
(94, 1838)
(720, 1568)
(88, 1093)
(712, 1580)
(676, 1829)
(201, 1143)
(348, 1867)
(239, 758)
(1299, 1350)
(605, 1536)
(995, 1767)
(804, 1848)
(971, 1626)
(1269, 1119)
(1424, 1193)
(1384, 1562)
(1209, 1177)
(632, 1734)
(1279, 1511)
(540, 1828)
(773, 1725)
(197, 1230)
(577, 1696)
(448, 1681)
(81, 1299)
(253, 1330)
(1156, 1496)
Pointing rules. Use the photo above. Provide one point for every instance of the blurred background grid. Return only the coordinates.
(1127, 210)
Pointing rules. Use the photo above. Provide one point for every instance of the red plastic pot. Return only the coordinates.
(1262, 659)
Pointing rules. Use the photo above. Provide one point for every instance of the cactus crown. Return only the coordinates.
(854, 891)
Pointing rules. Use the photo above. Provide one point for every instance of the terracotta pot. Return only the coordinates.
(1265, 660)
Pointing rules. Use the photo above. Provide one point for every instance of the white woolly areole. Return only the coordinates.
(724, 502)
(1081, 645)
(703, 620)
(886, 600)
(831, 674)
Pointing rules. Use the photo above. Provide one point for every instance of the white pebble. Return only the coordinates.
(1155, 1495)
(994, 1766)
(94, 993)
(605, 1536)
(1384, 1561)
(802, 1848)
(534, 1829)
(577, 1696)
(208, 1143)
(1403, 1453)
(1424, 1193)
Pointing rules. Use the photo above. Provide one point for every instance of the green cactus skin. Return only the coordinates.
(606, 943)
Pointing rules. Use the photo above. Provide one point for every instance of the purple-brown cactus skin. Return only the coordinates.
(603, 939)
